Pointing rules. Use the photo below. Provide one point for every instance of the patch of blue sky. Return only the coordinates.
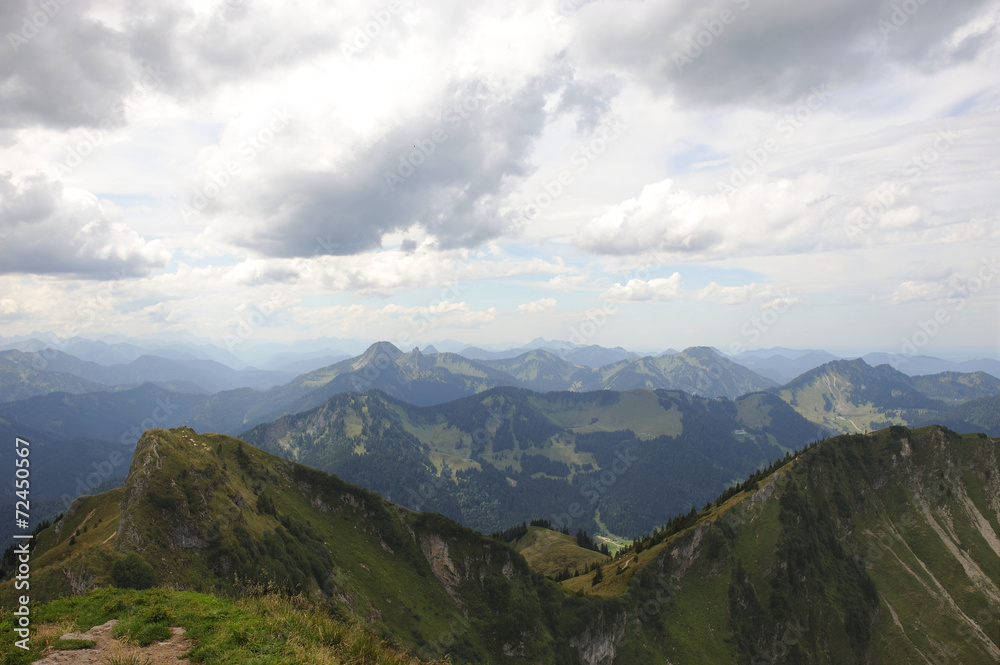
(970, 104)
(131, 200)
(697, 157)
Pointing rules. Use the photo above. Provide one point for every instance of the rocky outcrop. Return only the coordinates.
(598, 644)
(684, 552)
(436, 552)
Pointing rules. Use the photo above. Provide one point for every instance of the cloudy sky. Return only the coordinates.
(740, 173)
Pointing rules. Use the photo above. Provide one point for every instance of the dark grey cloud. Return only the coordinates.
(61, 69)
(64, 68)
(235, 42)
(445, 174)
(47, 230)
(770, 51)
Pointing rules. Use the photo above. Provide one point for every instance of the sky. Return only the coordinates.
(738, 173)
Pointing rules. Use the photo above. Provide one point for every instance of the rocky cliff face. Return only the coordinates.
(598, 644)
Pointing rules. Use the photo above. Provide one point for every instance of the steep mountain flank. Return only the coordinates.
(879, 548)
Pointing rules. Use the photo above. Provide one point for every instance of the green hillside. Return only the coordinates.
(957, 387)
(978, 415)
(851, 396)
(552, 553)
(697, 370)
(505, 456)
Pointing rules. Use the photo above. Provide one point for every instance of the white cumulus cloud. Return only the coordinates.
(540, 305)
(638, 290)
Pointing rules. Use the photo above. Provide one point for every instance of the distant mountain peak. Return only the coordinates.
(377, 350)
(856, 363)
(702, 352)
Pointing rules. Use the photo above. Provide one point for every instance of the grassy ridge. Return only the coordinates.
(550, 552)
(214, 515)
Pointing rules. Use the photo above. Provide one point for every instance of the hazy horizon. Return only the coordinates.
(261, 351)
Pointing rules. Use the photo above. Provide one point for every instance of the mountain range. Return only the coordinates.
(189, 375)
(591, 355)
(876, 548)
(845, 396)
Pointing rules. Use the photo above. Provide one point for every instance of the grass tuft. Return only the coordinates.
(72, 645)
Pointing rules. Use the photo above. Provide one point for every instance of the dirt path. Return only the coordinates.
(158, 653)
